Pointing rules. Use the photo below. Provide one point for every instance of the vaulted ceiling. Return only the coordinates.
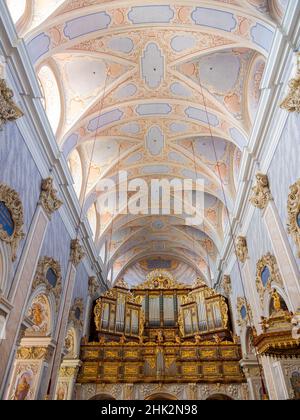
(160, 90)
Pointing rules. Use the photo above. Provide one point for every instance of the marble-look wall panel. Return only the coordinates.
(285, 170)
(18, 170)
(258, 240)
(57, 243)
(81, 283)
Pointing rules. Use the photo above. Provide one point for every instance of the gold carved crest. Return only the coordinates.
(8, 109)
(241, 249)
(77, 253)
(45, 264)
(292, 101)
(12, 201)
(261, 194)
(267, 273)
(48, 197)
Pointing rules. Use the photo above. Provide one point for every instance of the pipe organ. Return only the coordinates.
(161, 330)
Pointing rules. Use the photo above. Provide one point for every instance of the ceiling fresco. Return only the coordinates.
(158, 89)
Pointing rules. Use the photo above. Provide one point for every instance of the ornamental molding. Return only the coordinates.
(227, 286)
(37, 353)
(76, 313)
(45, 264)
(77, 253)
(160, 279)
(8, 109)
(261, 194)
(293, 209)
(292, 101)
(267, 261)
(243, 303)
(93, 286)
(241, 249)
(48, 197)
(12, 201)
(68, 371)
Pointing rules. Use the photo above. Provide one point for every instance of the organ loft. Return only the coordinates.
(161, 332)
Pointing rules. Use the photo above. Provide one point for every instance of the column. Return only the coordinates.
(76, 257)
(67, 379)
(24, 276)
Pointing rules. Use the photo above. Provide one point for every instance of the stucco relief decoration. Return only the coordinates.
(48, 273)
(76, 313)
(12, 218)
(70, 343)
(227, 286)
(48, 197)
(93, 286)
(34, 353)
(244, 312)
(241, 249)
(292, 101)
(267, 274)
(77, 253)
(39, 313)
(293, 208)
(8, 109)
(261, 194)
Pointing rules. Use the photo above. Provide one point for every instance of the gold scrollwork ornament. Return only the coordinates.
(261, 194)
(45, 264)
(12, 201)
(8, 109)
(292, 101)
(293, 209)
(267, 261)
(48, 197)
(241, 249)
(77, 253)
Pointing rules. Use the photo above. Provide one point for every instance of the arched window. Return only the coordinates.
(76, 171)
(16, 8)
(51, 102)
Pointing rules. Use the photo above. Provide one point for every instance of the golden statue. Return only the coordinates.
(276, 300)
(160, 337)
(37, 314)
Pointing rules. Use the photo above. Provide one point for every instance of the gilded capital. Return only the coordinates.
(48, 197)
(241, 249)
(261, 194)
(29, 353)
(293, 209)
(77, 253)
(8, 109)
(292, 101)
